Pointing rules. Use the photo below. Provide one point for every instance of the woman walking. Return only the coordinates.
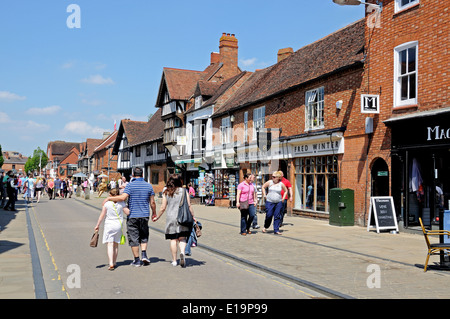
(39, 188)
(177, 233)
(112, 213)
(274, 202)
(246, 199)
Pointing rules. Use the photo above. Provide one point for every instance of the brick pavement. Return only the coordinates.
(345, 259)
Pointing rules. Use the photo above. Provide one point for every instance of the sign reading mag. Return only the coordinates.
(384, 215)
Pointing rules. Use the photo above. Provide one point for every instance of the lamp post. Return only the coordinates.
(378, 5)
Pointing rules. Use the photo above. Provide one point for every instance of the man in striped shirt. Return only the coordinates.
(141, 198)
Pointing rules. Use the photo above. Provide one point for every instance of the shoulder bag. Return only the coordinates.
(184, 216)
(123, 240)
(244, 204)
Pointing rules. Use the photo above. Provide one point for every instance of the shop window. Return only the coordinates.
(314, 178)
(405, 78)
(224, 182)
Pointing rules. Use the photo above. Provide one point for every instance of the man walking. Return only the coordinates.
(141, 197)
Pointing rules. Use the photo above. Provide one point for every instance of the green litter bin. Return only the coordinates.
(342, 207)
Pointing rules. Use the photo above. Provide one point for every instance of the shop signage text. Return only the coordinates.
(316, 148)
(436, 133)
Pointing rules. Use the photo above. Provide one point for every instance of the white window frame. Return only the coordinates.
(198, 102)
(398, 76)
(259, 120)
(246, 127)
(314, 106)
(400, 7)
(195, 136)
(225, 130)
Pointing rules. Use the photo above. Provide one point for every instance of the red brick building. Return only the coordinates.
(407, 153)
(305, 101)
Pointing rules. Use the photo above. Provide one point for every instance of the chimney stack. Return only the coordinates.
(215, 57)
(228, 49)
(284, 53)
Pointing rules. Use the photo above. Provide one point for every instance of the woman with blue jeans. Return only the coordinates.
(274, 202)
(246, 194)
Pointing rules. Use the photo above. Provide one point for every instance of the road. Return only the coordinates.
(72, 269)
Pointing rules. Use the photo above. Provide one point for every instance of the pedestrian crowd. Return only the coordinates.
(31, 188)
(136, 201)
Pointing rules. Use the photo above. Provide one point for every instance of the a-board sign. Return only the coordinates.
(383, 212)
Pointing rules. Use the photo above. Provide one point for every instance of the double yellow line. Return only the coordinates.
(63, 288)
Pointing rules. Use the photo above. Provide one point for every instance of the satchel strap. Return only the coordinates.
(183, 194)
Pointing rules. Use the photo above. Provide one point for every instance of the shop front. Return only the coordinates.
(420, 151)
(315, 160)
(226, 177)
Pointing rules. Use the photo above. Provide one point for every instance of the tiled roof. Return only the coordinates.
(336, 51)
(106, 142)
(181, 83)
(151, 131)
(134, 130)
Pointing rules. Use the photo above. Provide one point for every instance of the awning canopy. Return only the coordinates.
(189, 160)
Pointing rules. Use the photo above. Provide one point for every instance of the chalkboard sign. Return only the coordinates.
(383, 213)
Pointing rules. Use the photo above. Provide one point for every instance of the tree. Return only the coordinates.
(1, 157)
(32, 163)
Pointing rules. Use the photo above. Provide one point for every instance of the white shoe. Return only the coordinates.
(174, 263)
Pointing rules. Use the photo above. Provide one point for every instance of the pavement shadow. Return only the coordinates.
(190, 262)
(6, 216)
(6, 245)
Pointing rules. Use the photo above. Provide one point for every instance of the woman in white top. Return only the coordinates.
(274, 202)
(112, 213)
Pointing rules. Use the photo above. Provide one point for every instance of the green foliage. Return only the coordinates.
(32, 163)
(1, 157)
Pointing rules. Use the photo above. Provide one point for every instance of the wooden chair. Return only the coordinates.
(434, 249)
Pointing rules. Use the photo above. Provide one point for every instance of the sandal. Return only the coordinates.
(111, 268)
(264, 230)
(278, 233)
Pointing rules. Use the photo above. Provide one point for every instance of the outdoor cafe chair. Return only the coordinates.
(434, 248)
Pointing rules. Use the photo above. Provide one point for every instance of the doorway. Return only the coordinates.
(380, 178)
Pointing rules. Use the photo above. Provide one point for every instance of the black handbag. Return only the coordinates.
(184, 217)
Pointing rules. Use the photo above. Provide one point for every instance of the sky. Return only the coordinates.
(70, 69)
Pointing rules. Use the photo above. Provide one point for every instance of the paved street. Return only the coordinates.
(329, 261)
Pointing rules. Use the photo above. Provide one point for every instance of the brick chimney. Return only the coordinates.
(228, 56)
(215, 57)
(284, 53)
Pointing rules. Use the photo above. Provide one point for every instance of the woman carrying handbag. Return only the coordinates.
(173, 198)
(246, 199)
(112, 213)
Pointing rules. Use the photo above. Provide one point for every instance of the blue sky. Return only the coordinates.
(61, 83)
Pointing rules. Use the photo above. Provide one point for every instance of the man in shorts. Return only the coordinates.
(140, 197)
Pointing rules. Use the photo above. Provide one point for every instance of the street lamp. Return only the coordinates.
(379, 5)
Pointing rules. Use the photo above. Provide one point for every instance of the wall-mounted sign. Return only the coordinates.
(370, 103)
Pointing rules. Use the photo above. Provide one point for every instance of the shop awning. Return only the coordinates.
(417, 115)
(189, 160)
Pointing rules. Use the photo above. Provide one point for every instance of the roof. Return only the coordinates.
(181, 83)
(61, 147)
(106, 142)
(335, 52)
(152, 131)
